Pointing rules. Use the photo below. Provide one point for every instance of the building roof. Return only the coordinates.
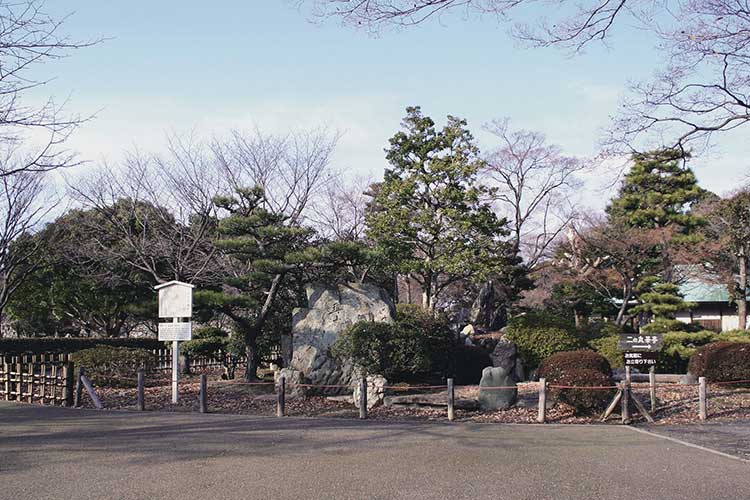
(697, 290)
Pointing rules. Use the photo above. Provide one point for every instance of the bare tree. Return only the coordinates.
(703, 87)
(29, 37)
(609, 257)
(571, 24)
(338, 212)
(291, 169)
(162, 208)
(534, 182)
(25, 203)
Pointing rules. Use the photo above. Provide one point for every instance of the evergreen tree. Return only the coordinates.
(427, 218)
(658, 192)
(657, 195)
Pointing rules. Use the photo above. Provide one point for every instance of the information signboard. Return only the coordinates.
(175, 300)
(170, 332)
(640, 358)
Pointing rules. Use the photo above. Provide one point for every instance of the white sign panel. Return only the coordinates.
(175, 300)
(175, 331)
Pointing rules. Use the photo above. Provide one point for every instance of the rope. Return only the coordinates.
(732, 382)
(592, 387)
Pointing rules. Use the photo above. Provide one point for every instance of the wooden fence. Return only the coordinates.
(163, 360)
(46, 383)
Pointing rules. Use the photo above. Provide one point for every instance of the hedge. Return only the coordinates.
(109, 366)
(38, 345)
(539, 336)
(721, 362)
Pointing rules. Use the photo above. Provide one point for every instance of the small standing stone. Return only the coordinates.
(497, 399)
(375, 391)
(291, 379)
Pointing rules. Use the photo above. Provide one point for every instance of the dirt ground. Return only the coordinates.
(676, 404)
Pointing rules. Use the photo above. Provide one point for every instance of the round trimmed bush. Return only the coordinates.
(113, 366)
(679, 347)
(563, 362)
(722, 362)
(581, 368)
(583, 401)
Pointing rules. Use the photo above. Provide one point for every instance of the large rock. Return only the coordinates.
(375, 391)
(505, 355)
(489, 310)
(332, 310)
(491, 398)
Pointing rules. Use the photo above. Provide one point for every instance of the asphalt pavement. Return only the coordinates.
(60, 453)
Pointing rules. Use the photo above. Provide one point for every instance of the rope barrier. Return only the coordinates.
(732, 382)
(592, 387)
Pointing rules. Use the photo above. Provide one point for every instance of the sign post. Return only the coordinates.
(175, 302)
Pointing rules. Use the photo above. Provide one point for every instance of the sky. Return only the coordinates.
(208, 67)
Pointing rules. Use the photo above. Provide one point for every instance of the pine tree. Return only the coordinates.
(657, 195)
(427, 218)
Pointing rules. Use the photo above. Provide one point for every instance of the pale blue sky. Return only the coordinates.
(211, 66)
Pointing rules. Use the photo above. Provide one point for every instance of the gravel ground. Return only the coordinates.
(676, 404)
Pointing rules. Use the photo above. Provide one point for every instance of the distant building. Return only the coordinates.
(715, 310)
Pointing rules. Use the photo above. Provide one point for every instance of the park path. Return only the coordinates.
(59, 453)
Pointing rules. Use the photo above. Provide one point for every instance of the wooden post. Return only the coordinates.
(281, 397)
(627, 374)
(542, 401)
(702, 413)
(79, 387)
(92, 393)
(69, 381)
(203, 394)
(625, 402)
(30, 382)
(6, 370)
(141, 390)
(451, 400)
(363, 398)
(43, 374)
(652, 387)
(19, 382)
(54, 385)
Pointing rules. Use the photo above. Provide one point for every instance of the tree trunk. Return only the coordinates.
(252, 355)
(742, 298)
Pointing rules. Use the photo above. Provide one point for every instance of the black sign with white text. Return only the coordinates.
(636, 342)
(640, 358)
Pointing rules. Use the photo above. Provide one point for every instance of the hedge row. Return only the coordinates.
(722, 362)
(38, 345)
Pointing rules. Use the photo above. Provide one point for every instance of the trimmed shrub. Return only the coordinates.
(721, 362)
(679, 347)
(38, 345)
(583, 359)
(608, 347)
(733, 336)
(581, 368)
(367, 343)
(539, 336)
(113, 366)
(584, 401)
(207, 341)
(418, 346)
(602, 329)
